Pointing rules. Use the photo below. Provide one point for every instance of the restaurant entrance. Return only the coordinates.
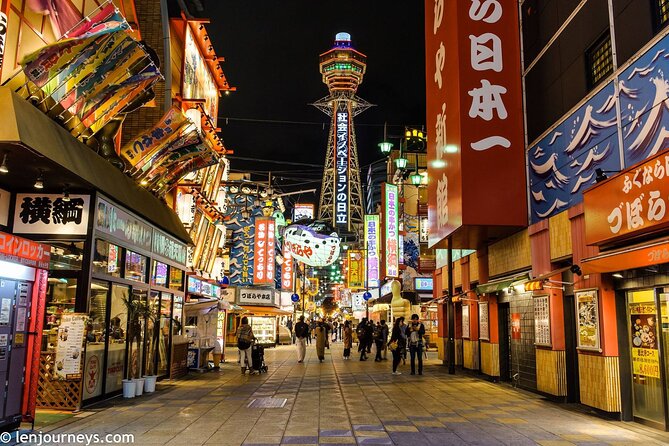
(649, 341)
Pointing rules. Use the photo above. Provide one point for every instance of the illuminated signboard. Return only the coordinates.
(423, 283)
(356, 269)
(303, 211)
(372, 224)
(311, 247)
(287, 269)
(391, 230)
(198, 83)
(263, 262)
(341, 162)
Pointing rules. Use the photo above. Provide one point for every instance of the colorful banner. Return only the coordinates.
(287, 269)
(263, 262)
(391, 200)
(145, 144)
(645, 343)
(372, 224)
(355, 276)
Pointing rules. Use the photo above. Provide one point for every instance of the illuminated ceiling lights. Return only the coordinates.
(3, 167)
(39, 183)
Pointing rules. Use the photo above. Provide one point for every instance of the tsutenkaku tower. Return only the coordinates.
(342, 68)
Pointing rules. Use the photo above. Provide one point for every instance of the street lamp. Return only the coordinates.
(401, 162)
(385, 147)
(416, 178)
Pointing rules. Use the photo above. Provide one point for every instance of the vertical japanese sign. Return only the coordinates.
(287, 269)
(391, 230)
(356, 269)
(3, 36)
(263, 261)
(342, 118)
(473, 77)
(515, 326)
(372, 245)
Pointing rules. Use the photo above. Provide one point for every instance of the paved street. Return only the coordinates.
(348, 402)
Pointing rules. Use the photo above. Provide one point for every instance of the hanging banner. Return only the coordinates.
(287, 269)
(356, 269)
(263, 262)
(342, 119)
(473, 74)
(391, 200)
(150, 141)
(372, 224)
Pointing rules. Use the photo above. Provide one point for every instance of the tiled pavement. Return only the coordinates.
(349, 402)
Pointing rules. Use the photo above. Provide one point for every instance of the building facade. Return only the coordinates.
(561, 307)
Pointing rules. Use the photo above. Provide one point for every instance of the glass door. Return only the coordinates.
(152, 334)
(116, 337)
(97, 334)
(646, 356)
(136, 327)
(164, 333)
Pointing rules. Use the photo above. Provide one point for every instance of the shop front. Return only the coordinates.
(23, 279)
(261, 306)
(134, 265)
(625, 218)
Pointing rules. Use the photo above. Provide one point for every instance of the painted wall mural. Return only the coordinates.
(562, 164)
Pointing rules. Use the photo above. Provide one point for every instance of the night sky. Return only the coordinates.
(271, 51)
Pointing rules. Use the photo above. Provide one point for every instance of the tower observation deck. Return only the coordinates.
(342, 69)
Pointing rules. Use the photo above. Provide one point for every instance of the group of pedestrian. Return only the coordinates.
(403, 336)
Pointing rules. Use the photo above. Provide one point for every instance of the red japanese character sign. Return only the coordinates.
(634, 202)
(263, 260)
(476, 164)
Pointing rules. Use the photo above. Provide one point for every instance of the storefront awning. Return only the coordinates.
(265, 311)
(234, 308)
(637, 256)
(201, 305)
(31, 139)
(502, 283)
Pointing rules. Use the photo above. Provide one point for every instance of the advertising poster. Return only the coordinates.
(70, 346)
(587, 317)
(643, 327)
(372, 224)
(465, 321)
(542, 321)
(484, 323)
(515, 326)
(356, 269)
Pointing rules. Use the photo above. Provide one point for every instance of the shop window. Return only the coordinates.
(152, 329)
(159, 274)
(96, 337)
(135, 266)
(66, 256)
(135, 335)
(107, 259)
(164, 333)
(176, 279)
(661, 13)
(599, 58)
(116, 338)
(177, 315)
(60, 300)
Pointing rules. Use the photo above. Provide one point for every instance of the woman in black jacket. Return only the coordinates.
(397, 339)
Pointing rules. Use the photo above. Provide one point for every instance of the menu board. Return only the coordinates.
(484, 322)
(264, 329)
(465, 321)
(542, 321)
(70, 346)
(645, 343)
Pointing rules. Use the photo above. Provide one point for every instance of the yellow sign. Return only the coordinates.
(646, 362)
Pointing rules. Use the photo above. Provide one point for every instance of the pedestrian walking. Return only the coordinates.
(380, 339)
(289, 326)
(335, 324)
(369, 335)
(384, 334)
(397, 343)
(245, 339)
(301, 333)
(348, 339)
(321, 337)
(415, 331)
(361, 331)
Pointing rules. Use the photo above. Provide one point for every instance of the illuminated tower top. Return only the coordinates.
(342, 66)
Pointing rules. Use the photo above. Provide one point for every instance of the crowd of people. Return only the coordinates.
(403, 337)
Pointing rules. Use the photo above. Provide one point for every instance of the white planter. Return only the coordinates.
(150, 383)
(129, 388)
(139, 386)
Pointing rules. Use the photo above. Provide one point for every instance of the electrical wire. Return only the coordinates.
(321, 123)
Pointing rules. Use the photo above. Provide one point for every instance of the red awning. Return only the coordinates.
(638, 256)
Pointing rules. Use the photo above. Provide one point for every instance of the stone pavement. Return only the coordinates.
(348, 402)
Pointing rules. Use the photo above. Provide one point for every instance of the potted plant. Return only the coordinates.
(136, 311)
(152, 317)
